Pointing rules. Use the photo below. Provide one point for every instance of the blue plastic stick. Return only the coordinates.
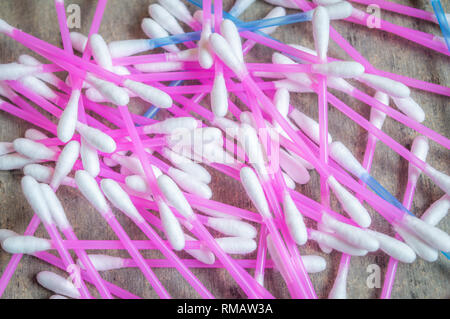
(442, 20)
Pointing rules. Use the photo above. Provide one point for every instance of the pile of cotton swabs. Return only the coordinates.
(138, 165)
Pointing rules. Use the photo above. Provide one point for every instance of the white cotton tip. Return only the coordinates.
(137, 183)
(37, 86)
(35, 198)
(289, 181)
(281, 101)
(89, 188)
(394, 248)
(336, 243)
(172, 125)
(294, 220)
(350, 203)
(237, 245)
(377, 117)
(283, 3)
(420, 149)
(410, 108)
(230, 127)
(249, 141)
(342, 155)
(232, 227)
(154, 31)
(172, 227)
(79, 41)
(440, 179)
(14, 161)
(339, 290)
(308, 125)
(342, 69)
(204, 255)
(355, 236)
(301, 79)
(65, 163)
(325, 249)
(165, 19)
(178, 9)
(100, 52)
(190, 184)
(240, 6)
(340, 10)
(193, 169)
(326, 2)
(230, 32)
(205, 56)
(223, 50)
(437, 211)
(33, 150)
(219, 96)
(386, 85)
(174, 195)
(15, 71)
(321, 32)
(150, 94)
(115, 94)
(42, 174)
(432, 235)
(89, 158)
(422, 249)
(69, 118)
(293, 168)
(6, 233)
(119, 49)
(25, 245)
(104, 262)
(55, 207)
(255, 191)
(96, 138)
(314, 264)
(120, 199)
(57, 284)
(5, 27)
(160, 67)
(274, 13)
(6, 148)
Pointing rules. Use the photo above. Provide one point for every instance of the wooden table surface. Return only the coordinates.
(387, 52)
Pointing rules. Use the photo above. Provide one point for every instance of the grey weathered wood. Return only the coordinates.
(121, 21)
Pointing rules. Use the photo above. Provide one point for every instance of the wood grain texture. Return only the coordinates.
(122, 21)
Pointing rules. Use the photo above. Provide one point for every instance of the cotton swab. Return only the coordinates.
(89, 188)
(57, 284)
(59, 216)
(437, 211)
(35, 197)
